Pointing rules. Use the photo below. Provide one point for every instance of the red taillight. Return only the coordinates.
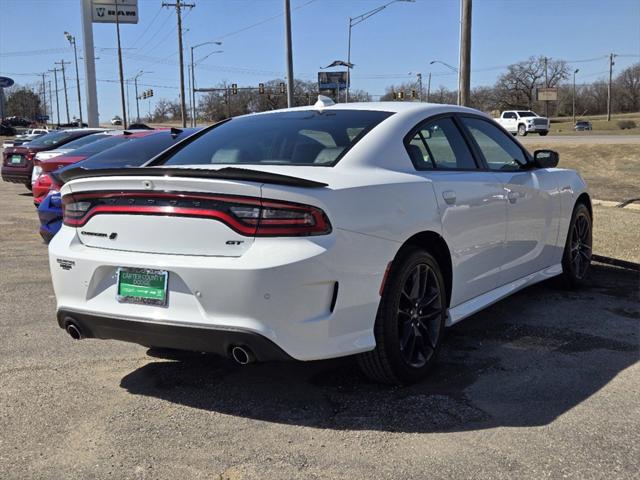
(246, 215)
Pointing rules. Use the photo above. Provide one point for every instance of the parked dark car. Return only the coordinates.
(17, 165)
(583, 125)
(129, 154)
(7, 130)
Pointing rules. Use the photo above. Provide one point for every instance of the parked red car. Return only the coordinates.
(43, 183)
(17, 163)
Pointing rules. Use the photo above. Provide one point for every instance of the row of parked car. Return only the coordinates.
(38, 160)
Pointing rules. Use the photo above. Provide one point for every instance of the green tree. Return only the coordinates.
(23, 102)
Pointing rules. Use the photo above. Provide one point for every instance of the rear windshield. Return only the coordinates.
(102, 144)
(305, 137)
(134, 152)
(86, 140)
(54, 139)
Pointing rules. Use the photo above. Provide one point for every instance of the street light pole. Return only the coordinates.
(353, 21)
(193, 78)
(574, 96)
(72, 40)
(450, 67)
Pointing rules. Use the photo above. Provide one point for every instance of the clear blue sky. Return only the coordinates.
(401, 39)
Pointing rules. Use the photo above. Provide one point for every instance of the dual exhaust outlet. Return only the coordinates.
(240, 354)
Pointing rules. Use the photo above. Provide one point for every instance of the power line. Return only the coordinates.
(160, 10)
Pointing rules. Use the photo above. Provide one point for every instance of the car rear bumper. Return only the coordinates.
(168, 334)
(313, 297)
(17, 174)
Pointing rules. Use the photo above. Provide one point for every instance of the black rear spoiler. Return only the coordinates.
(228, 173)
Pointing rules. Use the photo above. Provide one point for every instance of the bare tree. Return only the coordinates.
(161, 110)
(628, 89)
(517, 87)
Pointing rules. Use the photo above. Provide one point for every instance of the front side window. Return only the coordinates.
(305, 137)
(499, 150)
(527, 114)
(439, 145)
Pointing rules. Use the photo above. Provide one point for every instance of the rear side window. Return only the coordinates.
(499, 150)
(86, 140)
(305, 137)
(439, 145)
(134, 152)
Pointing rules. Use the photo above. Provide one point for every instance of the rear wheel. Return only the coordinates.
(522, 130)
(410, 321)
(576, 259)
(543, 134)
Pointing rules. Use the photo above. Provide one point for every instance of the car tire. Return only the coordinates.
(28, 186)
(522, 130)
(543, 134)
(410, 322)
(576, 258)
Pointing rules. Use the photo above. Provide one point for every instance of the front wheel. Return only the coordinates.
(522, 130)
(410, 322)
(576, 258)
(543, 134)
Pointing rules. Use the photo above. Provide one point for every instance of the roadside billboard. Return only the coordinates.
(548, 94)
(332, 80)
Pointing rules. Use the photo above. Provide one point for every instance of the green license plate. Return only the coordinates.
(142, 285)
(16, 159)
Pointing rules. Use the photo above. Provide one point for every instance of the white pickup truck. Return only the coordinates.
(521, 122)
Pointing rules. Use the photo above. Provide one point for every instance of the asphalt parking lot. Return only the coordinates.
(542, 385)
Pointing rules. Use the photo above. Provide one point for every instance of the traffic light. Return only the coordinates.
(234, 88)
(395, 95)
(401, 95)
(151, 92)
(261, 88)
(282, 87)
(414, 94)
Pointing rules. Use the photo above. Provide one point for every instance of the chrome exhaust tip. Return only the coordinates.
(73, 330)
(242, 355)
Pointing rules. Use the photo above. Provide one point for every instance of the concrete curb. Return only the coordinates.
(616, 262)
(626, 205)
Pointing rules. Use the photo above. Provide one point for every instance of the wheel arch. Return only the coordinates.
(585, 199)
(433, 243)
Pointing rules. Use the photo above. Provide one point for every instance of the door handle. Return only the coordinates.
(449, 197)
(512, 196)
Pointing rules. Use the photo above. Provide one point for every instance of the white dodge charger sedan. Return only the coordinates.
(317, 232)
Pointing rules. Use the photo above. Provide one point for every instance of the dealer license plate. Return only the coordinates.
(142, 285)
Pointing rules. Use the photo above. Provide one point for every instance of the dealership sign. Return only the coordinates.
(104, 11)
(332, 80)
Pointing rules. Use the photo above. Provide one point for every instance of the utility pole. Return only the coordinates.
(419, 75)
(179, 6)
(44, 95)
(120, 71)
(464, 80)
(135, 82)
(288, 53)
(429, 88)
(72, 40)
(50, 103)
(91, 94)
(64, 82)
(55, 79)
(573, 97)
(611, 64)
(546, 85)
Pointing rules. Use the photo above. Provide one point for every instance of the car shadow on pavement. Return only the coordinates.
(521, 362)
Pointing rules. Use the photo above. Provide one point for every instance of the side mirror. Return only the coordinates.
(546, 158)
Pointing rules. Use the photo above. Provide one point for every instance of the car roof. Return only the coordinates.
(393, 107)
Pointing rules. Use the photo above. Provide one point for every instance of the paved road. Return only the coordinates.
(587, 139)
(542, 385)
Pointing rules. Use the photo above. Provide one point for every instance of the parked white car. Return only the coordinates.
(26, 137)
(317, 232)
(521, 122)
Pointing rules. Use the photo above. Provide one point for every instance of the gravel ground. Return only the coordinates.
(542, 385)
